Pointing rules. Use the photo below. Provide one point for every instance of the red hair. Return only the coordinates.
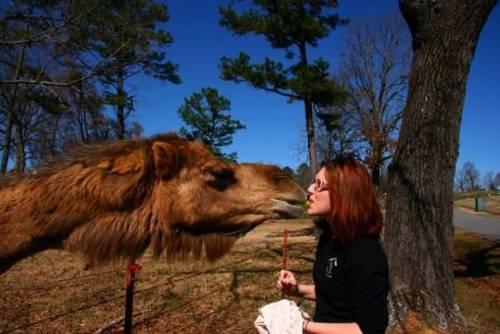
(355, 210)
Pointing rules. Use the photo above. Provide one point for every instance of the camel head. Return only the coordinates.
(212, 202)
(114, 201)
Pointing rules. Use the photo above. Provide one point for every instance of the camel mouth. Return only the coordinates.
(241, 231)
(288, 209)
(237, 230)
(296, 198)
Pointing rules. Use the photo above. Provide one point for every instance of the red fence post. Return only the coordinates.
(132, 268)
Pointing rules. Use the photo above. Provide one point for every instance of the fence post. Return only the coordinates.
(132, 268)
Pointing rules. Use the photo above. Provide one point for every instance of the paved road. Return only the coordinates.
(486, 225)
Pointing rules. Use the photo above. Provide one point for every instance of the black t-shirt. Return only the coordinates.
(351, 283)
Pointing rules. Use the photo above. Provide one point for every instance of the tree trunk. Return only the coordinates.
(82, 116)
(376, 160)
(20, 148)
(7, 141)
(376, 175)
(10, 115)
(308, 106)
(120, 107)
(311, 140)
(330, 149)
(419, 229)
(53, 137)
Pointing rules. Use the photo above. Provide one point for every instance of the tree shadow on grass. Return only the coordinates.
(479, 263)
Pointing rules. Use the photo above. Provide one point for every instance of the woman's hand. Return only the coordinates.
(287, 283)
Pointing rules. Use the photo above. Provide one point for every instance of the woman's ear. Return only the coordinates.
(166, 159)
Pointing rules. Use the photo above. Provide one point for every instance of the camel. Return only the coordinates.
(113, 201)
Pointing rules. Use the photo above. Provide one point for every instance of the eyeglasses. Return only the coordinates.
(319, 185)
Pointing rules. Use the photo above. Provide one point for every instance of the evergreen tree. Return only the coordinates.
(288, 170)
(127, 36)
(206, 118)
(292, 26)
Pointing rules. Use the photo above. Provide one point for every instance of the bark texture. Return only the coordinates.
(419, 228)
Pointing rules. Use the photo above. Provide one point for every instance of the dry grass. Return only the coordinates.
(197, 297)
(492, 204)
(477, 282)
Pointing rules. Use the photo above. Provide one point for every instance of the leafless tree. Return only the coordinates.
(50, 28)
(497, 181)
(335, 133)
(469, 176)
(32, 41)
(374, 70)
(489, 180)
(460, 182)
(48, 74)
(418, 231)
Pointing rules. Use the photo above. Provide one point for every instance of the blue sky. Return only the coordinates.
(275, 129)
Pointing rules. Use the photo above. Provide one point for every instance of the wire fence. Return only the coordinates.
(57, 283)
(145, 316)
(171, 280)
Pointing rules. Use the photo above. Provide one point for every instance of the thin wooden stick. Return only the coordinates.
(284, 252)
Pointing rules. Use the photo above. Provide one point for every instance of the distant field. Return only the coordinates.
(467, 201)
(51, 293)
(472, 194)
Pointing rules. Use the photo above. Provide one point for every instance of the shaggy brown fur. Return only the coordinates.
(114, 201)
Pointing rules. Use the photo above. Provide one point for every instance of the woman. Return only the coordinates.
(350, 271)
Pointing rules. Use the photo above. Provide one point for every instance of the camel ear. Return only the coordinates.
(166, 159)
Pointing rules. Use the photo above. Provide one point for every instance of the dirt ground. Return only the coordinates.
(52, 293)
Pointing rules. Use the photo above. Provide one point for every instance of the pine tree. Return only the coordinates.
(206, 118)
(292, 26)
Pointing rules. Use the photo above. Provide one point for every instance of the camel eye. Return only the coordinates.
(222, 173)
(218, 175)
(221, 179)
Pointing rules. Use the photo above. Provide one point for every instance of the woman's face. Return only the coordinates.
(319, 196)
